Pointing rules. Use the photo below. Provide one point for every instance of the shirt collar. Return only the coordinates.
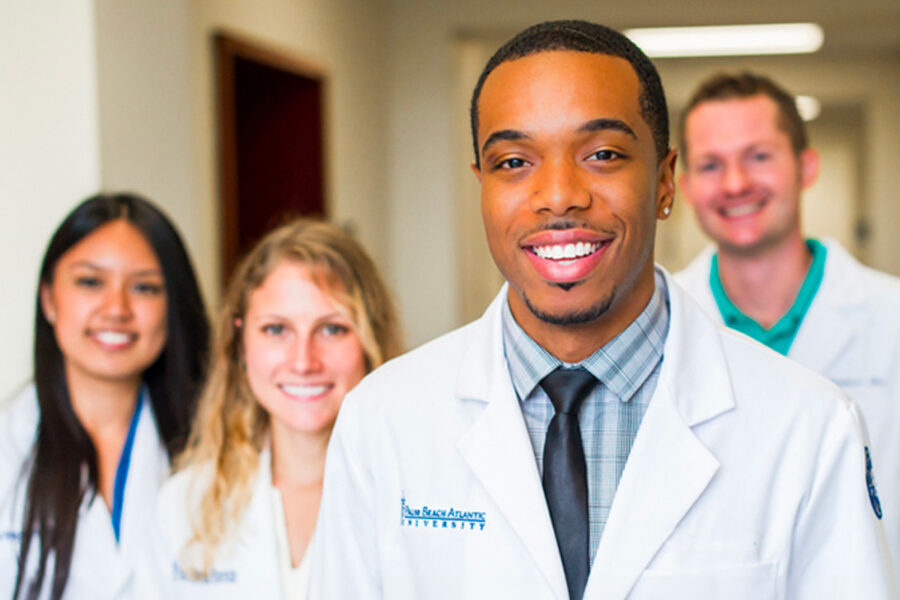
(781, 335)
(622, 365)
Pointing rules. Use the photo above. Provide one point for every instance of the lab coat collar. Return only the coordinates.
(497, 448)
(829, 316)
(667, 470)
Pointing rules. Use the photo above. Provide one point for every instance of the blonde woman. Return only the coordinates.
(305, 318)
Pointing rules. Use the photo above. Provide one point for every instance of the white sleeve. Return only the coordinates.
(345, 549)
(839, 548)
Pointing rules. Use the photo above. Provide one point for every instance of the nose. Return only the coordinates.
(117, 304)
(305, 357)
(559, 188)
(735, 180)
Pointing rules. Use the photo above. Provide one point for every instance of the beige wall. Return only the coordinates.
(49, 156)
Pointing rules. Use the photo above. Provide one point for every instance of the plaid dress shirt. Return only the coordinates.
(627, 369)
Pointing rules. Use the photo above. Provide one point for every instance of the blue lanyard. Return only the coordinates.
(122, 470)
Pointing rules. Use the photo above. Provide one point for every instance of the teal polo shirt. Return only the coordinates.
(782, 334)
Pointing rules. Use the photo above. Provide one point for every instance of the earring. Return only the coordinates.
(666, 210)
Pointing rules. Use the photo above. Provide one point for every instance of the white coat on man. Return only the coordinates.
(101, 567)
(851, 335)
(246, 566)
(746, 480)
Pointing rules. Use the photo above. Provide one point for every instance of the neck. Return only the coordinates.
(298, 459)
(101, 404)
(764, 285)
(574, 343)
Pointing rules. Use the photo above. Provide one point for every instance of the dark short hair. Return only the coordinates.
(728, 86)
(582, 36)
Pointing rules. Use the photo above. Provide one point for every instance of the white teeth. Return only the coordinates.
(567, 251)
(113, 338)
(742, 210)
(305, 391)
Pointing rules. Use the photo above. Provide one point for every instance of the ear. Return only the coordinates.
(809, 168)
(665, 184)
(476, 170)
(47, 305)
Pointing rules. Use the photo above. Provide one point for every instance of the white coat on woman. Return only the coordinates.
(101, 567)
(246, 566)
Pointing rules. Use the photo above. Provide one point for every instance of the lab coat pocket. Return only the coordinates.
(741, 582)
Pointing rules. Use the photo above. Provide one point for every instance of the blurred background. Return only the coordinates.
(229, 113)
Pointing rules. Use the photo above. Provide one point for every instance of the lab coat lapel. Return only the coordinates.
(668, 468)
(258, 530)
(827, 330)
(498, 450)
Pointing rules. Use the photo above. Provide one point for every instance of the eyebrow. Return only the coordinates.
(607, 125)
(594, 125)
(510, 135)
(93, 267)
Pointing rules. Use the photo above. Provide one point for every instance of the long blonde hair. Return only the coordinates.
(230, 428)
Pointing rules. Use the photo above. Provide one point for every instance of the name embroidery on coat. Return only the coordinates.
(440, 518)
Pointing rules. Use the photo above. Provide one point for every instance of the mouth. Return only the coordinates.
(565, 257)
(306, 392)
(113, 340)
(739, 211)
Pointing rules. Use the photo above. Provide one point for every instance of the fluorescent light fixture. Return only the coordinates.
(728, 40)
(809, 107)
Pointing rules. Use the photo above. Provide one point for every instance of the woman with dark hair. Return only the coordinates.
(121, 341)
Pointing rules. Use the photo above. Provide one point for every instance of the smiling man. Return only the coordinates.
(594, 434)
(748, 162)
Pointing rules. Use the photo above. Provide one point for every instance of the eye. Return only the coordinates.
(511, 163)
(760, 156)
(273, 329)
(707, 167)
(334, 329)
(88, 282)
(149, 288)
(606, 155)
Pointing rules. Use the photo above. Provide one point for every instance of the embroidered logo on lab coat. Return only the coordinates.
(870, 484)
(440, 518)
(214, 576)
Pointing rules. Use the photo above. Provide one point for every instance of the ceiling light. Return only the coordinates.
(809, 107)
(728, 40)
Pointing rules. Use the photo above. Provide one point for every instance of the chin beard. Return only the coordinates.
(576, 317)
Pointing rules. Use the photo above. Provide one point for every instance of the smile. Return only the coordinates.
(559, 257)
(566, 251)
(306, 392)
(113, 339)
(742, 210)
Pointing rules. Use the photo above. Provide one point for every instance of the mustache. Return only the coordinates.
(563, 224)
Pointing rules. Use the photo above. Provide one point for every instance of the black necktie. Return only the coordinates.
(565, 473)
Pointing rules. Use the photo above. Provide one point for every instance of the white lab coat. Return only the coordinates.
(246, 567)
(851, 334)
(746, 480)
(100, 567)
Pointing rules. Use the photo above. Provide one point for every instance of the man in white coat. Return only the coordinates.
(594, 434)
(747, 162)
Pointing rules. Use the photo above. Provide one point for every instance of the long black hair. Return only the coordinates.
(63, 450)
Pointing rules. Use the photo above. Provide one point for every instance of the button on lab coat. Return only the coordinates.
(100, 567)
(851, 334)
(247, 566)
(746, 480)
